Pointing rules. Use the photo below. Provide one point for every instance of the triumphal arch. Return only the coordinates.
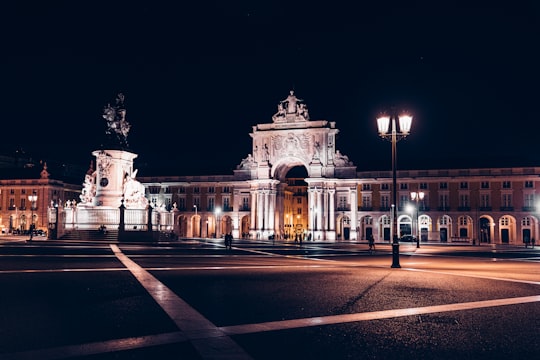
(291, 140)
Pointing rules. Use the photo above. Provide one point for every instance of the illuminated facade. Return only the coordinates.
(16, 210)
(335, 202)
(331, 201)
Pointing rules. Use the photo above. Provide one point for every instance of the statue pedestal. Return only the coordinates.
(112, 168)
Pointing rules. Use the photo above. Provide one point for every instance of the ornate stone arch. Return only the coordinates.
(292, 139)
(282, 166)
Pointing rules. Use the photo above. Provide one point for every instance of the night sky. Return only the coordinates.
(197, 77)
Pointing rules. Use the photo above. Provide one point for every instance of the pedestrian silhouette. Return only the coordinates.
(228, 241)
(371, 243)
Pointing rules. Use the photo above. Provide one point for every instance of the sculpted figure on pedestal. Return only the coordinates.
(134, 192)
(117, 124)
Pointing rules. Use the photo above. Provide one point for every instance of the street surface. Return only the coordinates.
(194, 299)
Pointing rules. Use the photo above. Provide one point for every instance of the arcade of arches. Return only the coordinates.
(296, 183)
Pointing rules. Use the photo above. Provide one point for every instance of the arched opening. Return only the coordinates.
(196, 222)
(485, 230)
(292, 195)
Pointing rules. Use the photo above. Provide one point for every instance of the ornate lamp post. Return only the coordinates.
(391, 133)
(32, 198)
(196, 219)
(417, 197)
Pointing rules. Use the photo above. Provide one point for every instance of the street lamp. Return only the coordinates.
(196, 219)
(32, 198)
(417, 197)
(392, 134)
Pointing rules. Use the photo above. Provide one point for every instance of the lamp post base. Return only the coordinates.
(395, 255)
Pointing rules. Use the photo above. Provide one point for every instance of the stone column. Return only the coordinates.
(260, 210)
(331, 209)
(271, 197)
(320, 208)
(354, 213)
(253, 212)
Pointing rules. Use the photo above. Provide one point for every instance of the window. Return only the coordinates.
(529, 184)
(443, 185)
(403, 186)
(506, 185)
(197, 202)
(423, 186)
(366, 187)
(196, 189)
(528, 200)
(342, 202)
(226, 189)
(211, 203)
(463, 185)
(506, 200)
(211, 189)
(368, 220)
(299, 211)
(385, 202)
(464, 200)
(182, 203)
(245, 203)
(485, 201)
(385, 187)
(403, 200)
(443, 201)
(181, 190)
(298, 200)
(366, 201)
(226, 202)
(484, 185)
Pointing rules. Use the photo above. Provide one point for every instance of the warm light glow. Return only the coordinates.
(419, 195)
(409, 208)
(405, 122)
(383, 123)
(217, 210)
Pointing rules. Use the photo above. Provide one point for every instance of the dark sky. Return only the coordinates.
(198, 77)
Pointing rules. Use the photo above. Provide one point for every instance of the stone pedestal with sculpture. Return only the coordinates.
(112, 200)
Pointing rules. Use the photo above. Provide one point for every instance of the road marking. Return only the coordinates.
(95, 348)
(208, 340)
(375, 315)
(208, 331)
